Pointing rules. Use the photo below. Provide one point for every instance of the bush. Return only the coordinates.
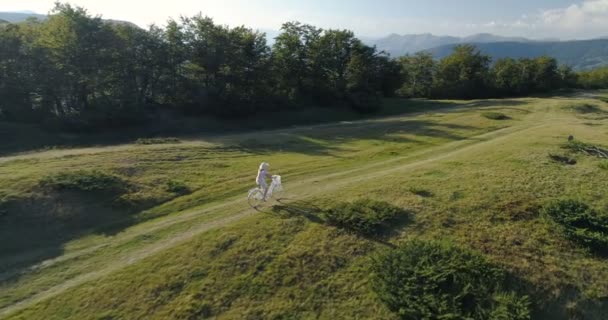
(177, 187)
(84, 181)
(495, 116)
(603, 165)
(366, 217)
(147, 141)
(586, 148)
(586, 108)
(429, 280)
(580, 223)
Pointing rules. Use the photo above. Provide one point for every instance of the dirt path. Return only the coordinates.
(168, 221)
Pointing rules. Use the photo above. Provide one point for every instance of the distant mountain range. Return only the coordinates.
(399, 45)
(16, 17)
(580, 54)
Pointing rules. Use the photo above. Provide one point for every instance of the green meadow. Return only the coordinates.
(160, 228)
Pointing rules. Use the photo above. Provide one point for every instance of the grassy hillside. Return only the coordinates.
(161, 229)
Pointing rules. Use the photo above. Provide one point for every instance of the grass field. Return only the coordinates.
(158, 229)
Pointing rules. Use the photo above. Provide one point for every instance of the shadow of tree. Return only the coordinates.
(326, 142)
(565, 303)
(36, 228)
(502, 103)
(21, 137)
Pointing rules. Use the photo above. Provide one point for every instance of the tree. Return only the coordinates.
(545, 76)
(568, 78)
(77, 47)
(292, 57)
(17, 72)
(417, 74)
(463, 74)
(593, 79)
(509, 77)
(79, 71)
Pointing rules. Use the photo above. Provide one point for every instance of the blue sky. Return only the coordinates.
(566, 19)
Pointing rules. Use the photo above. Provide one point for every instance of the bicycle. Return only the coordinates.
(255, 197)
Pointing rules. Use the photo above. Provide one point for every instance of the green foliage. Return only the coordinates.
(586, 148)
(178, 187)
(418, 74)
(366, 217)
(429, 280)
(576, 146)
(83, 180)
(463, 74)
(467, 73)
(593, 79)
(586, 108)
(146, 141)
(77, 72)
(603, 165)
(580, 223)
(495, 116)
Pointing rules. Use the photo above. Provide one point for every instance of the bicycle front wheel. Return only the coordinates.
(255, 198)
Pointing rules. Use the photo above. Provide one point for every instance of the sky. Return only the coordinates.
(538, 19)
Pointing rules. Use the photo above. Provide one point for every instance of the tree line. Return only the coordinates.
(84, 70)
(468, 74)
(593, 79)
(80, 70)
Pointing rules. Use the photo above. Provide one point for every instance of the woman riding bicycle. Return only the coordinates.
(260, 180)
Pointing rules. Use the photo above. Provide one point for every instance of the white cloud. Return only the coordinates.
(586, 20)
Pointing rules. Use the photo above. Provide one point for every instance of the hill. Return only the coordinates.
(581, 55)
(161, 229)
(16, 17)
(399, 45)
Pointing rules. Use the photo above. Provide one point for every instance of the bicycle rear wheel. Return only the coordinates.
(255, 198)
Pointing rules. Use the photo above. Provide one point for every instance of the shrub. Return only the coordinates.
(147, 141)
(495, 116)
(366, 217)
(586, 108)
(429, 280)
(586, 148)
(83, 180)
(177, 187)
(580, 223)
(603, 165)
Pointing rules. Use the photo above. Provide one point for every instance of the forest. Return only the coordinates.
(81, 72)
